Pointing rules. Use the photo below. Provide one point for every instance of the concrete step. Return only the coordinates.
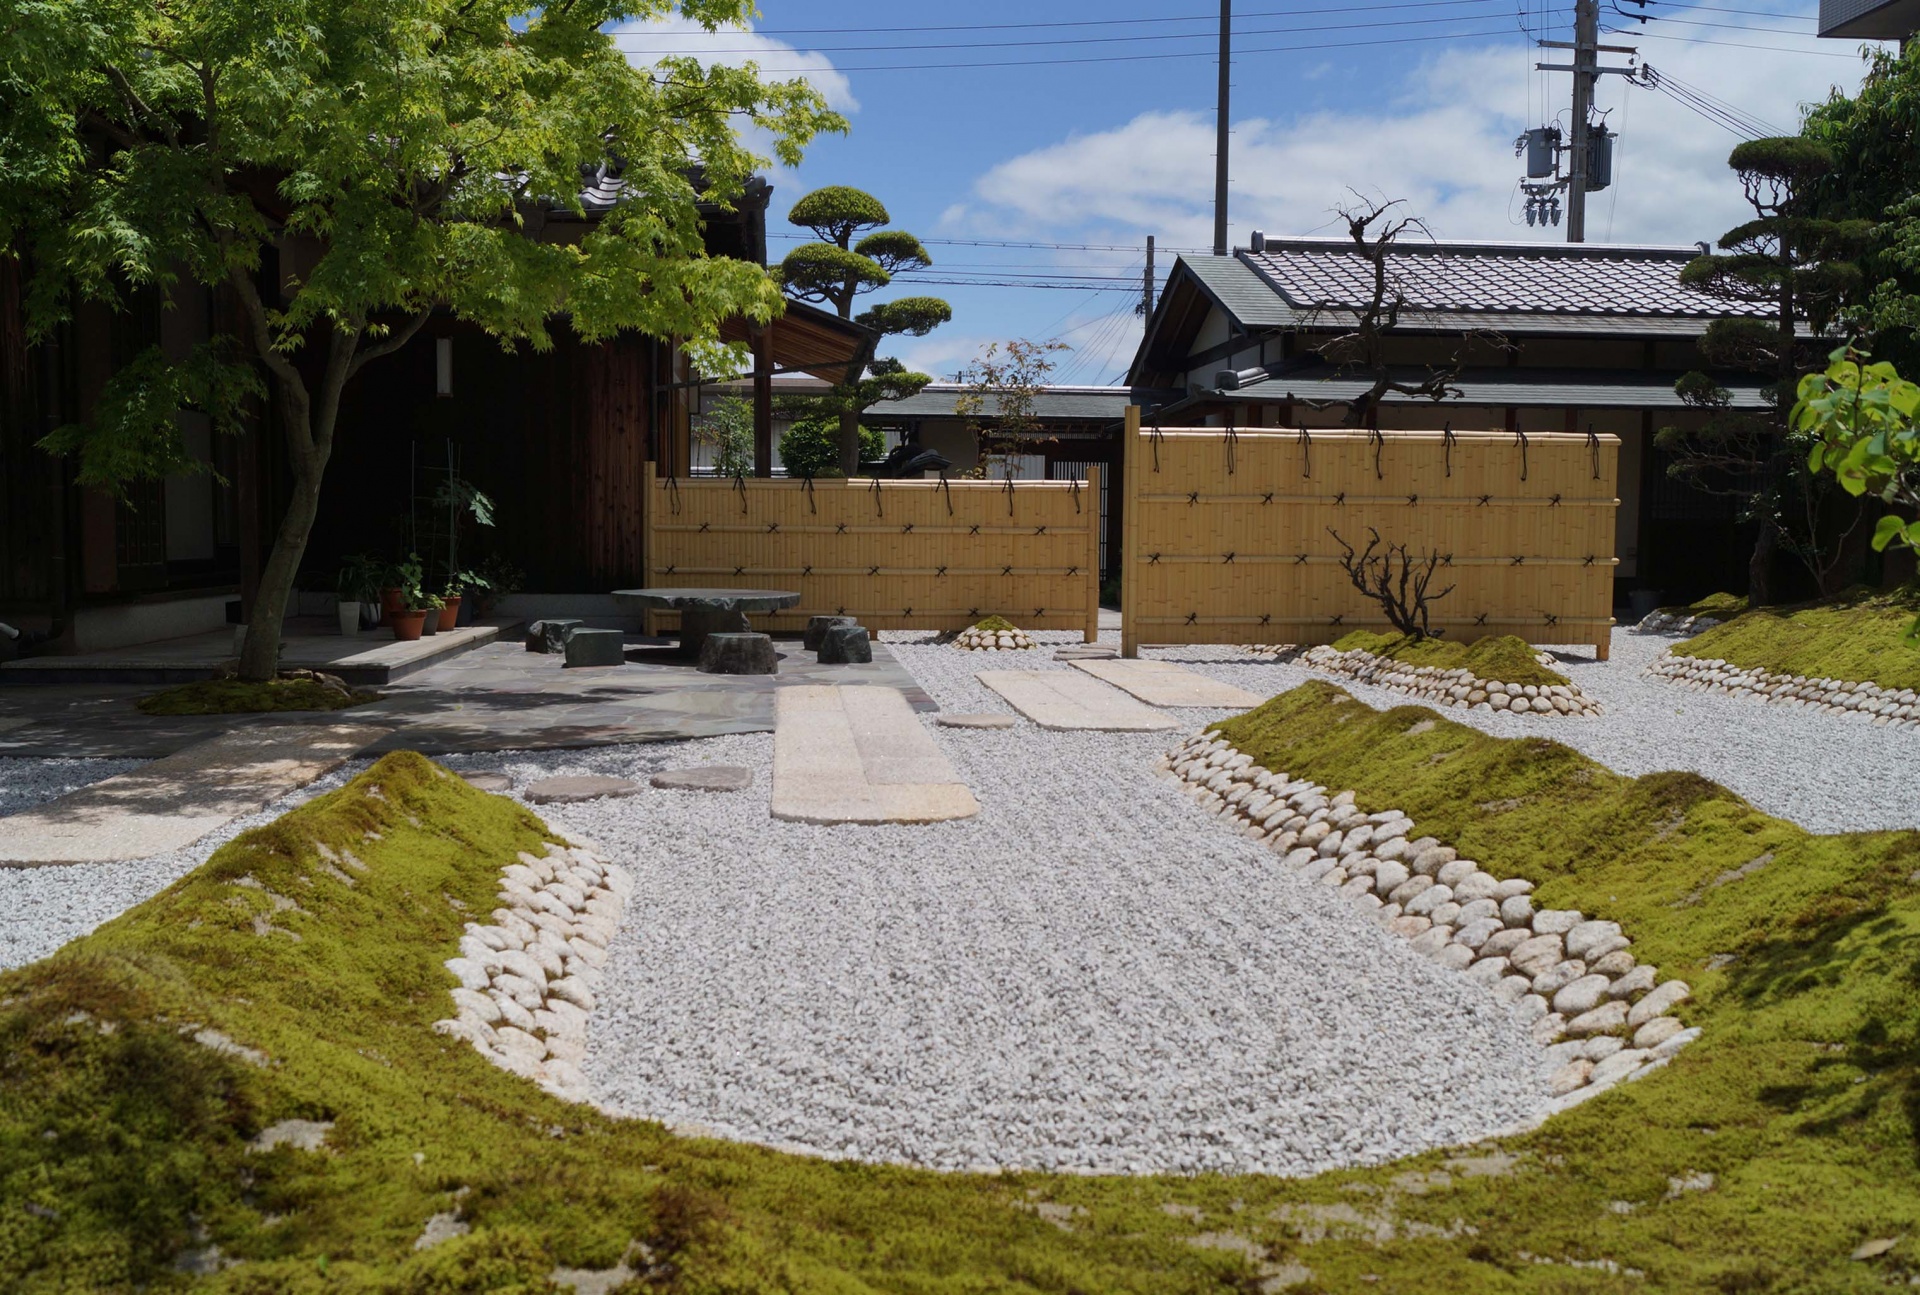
(859, 754)
(1069, 700)
(1162, 683)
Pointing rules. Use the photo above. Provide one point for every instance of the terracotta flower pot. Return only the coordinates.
(407, 626)
(450, 613)
(390, 603)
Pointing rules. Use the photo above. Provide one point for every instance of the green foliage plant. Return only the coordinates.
(1861, 635)
(1501, 658)
(835, 271)
(361, 578)
(1002, 388)
(727, 429)
(1801, 267)
(391, 159)
(1760, 1159)
(811, 446)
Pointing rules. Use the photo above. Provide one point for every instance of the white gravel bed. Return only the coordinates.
(1092, 975)
(43, 908)
(1828, 773)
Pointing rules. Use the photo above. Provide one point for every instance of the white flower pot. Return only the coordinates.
(349, 619)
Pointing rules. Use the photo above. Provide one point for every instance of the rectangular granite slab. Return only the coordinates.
(1068, 699)
(172, 802)
(859, 754)
(1162, 683)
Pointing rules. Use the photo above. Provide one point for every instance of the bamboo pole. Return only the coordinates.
(1093, 554)
(1131, 519)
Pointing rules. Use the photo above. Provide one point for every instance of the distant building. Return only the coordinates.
(1869, 19)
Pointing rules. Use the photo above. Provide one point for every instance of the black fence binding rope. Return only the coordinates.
(1232, 443)
(1379, 443)
(1520, 439)
(740, 485)
(1593, 449)
(673, 494)
(879, 509)
(1447, 441)
(1305, 441)
(811, 506)
(946, 488)
(1153, 441)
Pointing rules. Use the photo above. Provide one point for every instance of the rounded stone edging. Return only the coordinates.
(1897, 707)
(1451, 687)
(1600, 1016)
(527, 983)
(974, 639)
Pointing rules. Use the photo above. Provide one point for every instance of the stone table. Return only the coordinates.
(706, 611)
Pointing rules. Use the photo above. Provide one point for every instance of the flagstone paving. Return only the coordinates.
(172, 802)
(860, 755)
(1069, 700)
(1162, 683)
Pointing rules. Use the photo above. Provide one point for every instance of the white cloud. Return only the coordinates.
(646, 43)
(1444, 143)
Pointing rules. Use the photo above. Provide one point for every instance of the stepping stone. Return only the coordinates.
(549, 636)
(494, 782)
(1162, 683)
(846, 645)
(170, 803)
(578, 787)
(1086, 653)
(1069, 700)
(817, 627)
(859, 755)
(974, 721)
(738, 653)
(596, 647)
(706, 777)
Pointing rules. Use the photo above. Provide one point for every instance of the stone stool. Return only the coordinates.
(549, 636)
(817, 627)
(846, 645)
(595, 647)
(738, 654)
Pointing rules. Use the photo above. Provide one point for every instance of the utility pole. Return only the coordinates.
(1220, 130)
(1146, 289)
(1586, 73)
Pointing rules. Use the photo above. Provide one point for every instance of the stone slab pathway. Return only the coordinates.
(1162, 683)
(859, 755)
(173, 802)
(1069, 700)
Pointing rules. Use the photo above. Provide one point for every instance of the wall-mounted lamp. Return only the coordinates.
(443, 366)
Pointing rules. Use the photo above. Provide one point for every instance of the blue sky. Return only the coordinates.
(1413, 99)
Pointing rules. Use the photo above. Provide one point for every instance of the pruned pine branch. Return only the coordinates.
(1399, 582)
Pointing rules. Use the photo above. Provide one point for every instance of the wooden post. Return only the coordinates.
(1092, 514)
(763, 401)
(650, 500)
(1130, 521)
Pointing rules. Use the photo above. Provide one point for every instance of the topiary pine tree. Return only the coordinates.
(835, 271)
(1801, 267)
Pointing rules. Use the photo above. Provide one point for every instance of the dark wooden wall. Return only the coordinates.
(558, 439)
(30, 479)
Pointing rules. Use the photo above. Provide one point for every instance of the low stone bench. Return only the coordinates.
(817, 627)
(846, 645)
(550, 636)
(587, 647)
(738, 654)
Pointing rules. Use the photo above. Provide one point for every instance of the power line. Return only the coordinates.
(1139, 58)
(1090, 22)
(1639, 33)
(1007, 242)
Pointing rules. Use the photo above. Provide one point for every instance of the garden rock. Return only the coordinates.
(705, 777)
(846, 645)
(569, 789)
(739, 653)
(491, 782)
(817, 627)
(585, 647)
(550, 635)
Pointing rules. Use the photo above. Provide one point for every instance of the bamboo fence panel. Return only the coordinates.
(934, 555)
(1229, 535)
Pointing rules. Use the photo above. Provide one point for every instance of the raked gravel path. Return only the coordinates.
(1091, 975)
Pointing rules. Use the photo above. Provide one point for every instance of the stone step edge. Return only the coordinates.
(1895, 707)
(527, 982)
(1375, 859)
(1448, 687)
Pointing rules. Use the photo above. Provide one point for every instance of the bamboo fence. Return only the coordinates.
(936, 555)
(1230, 536)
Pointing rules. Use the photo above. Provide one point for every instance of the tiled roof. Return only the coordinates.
(1550, 280)
(1516, 387)
(1077, 404)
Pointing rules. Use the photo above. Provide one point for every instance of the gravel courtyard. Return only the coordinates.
(1092, 975)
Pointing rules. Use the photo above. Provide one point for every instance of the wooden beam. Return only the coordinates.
(762, 404)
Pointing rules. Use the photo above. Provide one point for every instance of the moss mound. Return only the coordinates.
(137, 1063)
(234, 697)
(1859, 636)
(1498, 657)
(1720, 607)
(995, 625)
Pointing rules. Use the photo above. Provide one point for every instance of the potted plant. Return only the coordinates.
(358, 587)
(409, 618)
(450, 605)
(496, 578)
(462, 499)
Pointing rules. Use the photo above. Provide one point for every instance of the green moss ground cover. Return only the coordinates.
(995, 625)
(123, 1135)
(234, 697)
(1499, 657)
(1858, 636)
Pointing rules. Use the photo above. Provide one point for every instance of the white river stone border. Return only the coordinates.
(1897, 707)
(1598, 1013)
(1448, 687)
(528, 981)
(975, 639)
